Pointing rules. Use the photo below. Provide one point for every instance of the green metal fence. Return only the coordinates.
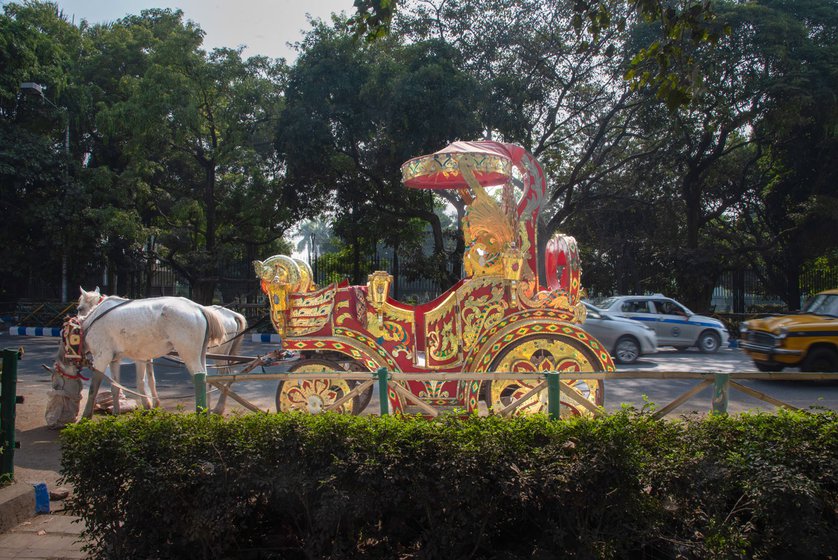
(8, 402)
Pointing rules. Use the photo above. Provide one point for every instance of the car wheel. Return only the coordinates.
(821, 359)
(627, 350)
(769, 367)
(709, 342)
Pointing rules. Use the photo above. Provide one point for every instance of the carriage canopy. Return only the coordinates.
(441, 169)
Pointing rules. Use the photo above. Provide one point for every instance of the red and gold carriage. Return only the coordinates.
(499, 318)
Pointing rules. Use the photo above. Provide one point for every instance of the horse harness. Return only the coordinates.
(72, 339)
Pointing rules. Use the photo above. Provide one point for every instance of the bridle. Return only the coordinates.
(67, 375)
(72, 341)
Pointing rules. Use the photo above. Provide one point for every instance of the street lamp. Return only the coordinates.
(38, 89)
(312, 249)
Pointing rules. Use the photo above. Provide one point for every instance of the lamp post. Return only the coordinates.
(312, 250)
(38, 89)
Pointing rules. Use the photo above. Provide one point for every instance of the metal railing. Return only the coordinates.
(554, 382)
(8, 402)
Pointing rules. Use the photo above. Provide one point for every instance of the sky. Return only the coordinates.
(265, 27)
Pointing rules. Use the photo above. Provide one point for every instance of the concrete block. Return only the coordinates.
(17, 504)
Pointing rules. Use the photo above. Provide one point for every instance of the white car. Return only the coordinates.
(674, 324)
(627, 340)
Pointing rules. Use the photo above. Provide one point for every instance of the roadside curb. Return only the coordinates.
(35, 331)
(17, 504)
(266, 338)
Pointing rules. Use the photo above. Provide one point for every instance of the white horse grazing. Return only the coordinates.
(140, 330)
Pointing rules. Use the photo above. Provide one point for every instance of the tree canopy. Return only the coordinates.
(678, 143)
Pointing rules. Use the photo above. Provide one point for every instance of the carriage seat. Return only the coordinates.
(438, 330)
(309, 312)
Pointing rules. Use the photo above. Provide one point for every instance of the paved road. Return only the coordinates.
(801, 394)
(174, 384)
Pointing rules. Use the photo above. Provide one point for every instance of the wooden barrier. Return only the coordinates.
(554, 382)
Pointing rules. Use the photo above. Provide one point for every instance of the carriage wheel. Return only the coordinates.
(362, 400)
(313, 395)
(540, 354)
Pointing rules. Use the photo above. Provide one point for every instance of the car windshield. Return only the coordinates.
(684, 309)
(607, 302)
(823, 304)
(593, 311)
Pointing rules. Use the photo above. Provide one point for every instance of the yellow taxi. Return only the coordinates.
(808, 339)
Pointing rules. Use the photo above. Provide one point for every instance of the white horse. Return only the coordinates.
(140, 330)
(234, 326)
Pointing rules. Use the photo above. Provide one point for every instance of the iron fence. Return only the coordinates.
(744, 292)
(405, 287)
(736, 293)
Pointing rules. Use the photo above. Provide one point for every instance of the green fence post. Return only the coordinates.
(200, 381)
(721, 387)
(383, 395)
(8, 400)
(554, 395)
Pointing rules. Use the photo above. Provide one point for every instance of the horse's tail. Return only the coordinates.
(241, 326)
(215, 326)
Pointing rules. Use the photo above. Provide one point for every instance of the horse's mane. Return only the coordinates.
(100, 307)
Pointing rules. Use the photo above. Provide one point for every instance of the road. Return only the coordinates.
(175, 388)
(801, 394)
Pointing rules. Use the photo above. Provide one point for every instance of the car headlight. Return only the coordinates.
(781, 334)
(743, 327)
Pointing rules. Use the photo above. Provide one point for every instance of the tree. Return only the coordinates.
(791, 220)
(354, 113)
(661, 63)
(194, 131)
(37, 177)
(548, 90)
(316, 237)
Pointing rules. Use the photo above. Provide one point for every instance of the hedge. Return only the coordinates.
(161, 485)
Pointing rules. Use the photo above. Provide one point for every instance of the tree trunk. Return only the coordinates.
(203, 291)
(792, 292)
(209, 202)
(356, 262)
(696, 269)
(542, 236)
(395, 270)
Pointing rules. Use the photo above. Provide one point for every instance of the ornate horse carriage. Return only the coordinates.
(499, 318)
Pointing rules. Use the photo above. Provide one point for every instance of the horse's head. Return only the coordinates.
(88, 300)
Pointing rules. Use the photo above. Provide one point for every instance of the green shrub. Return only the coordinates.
(160, 485)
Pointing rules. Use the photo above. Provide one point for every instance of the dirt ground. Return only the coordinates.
(39, 456)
